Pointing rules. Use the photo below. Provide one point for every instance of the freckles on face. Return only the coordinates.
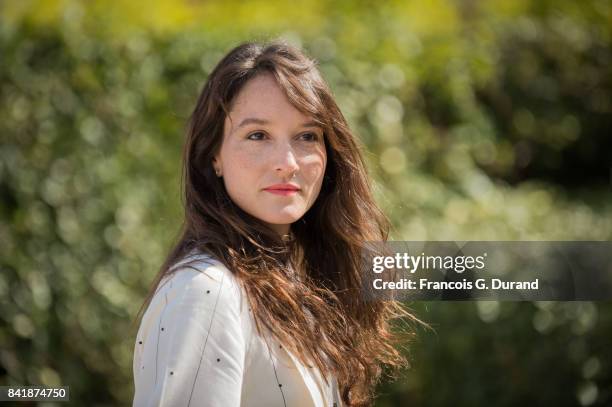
(314, 170)
(272, 158)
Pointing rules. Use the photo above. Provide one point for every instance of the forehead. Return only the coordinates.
(262, 97)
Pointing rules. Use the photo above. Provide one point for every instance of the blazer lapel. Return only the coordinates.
(314, 382)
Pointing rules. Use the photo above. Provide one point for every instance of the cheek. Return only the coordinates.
(241, 175)
(240, 164)
(314, 169)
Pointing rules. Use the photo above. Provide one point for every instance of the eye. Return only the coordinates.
(258, 135)
(310, 136)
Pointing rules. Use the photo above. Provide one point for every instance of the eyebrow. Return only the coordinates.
(255, 120)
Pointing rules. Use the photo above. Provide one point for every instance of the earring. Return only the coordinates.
(218, 173)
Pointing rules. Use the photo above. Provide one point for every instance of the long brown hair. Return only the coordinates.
(323, 318)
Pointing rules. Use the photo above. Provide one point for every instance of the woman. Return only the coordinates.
(260, 302)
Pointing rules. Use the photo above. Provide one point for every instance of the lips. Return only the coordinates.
(282, 189)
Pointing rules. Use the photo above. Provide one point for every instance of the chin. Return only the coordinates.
(283, 218)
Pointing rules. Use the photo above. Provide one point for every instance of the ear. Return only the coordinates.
(216, 163)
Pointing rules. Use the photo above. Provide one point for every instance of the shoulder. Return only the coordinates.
(197, 315)
(197, 291)
(200, 281)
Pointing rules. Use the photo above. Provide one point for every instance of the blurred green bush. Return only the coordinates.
(481, 121)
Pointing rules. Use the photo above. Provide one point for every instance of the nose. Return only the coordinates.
(286, 163)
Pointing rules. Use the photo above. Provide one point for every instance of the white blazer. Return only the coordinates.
(197, 345)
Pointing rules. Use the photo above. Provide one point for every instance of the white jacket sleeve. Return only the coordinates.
(191, 345)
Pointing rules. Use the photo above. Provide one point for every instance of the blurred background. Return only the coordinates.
(482, 120)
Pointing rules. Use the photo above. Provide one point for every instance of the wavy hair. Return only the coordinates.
(323, 317)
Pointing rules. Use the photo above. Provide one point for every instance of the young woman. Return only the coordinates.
(260, 303)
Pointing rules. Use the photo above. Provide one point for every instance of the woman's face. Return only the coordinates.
(272, 157)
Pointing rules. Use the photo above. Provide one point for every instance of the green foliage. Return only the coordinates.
(481, 121)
